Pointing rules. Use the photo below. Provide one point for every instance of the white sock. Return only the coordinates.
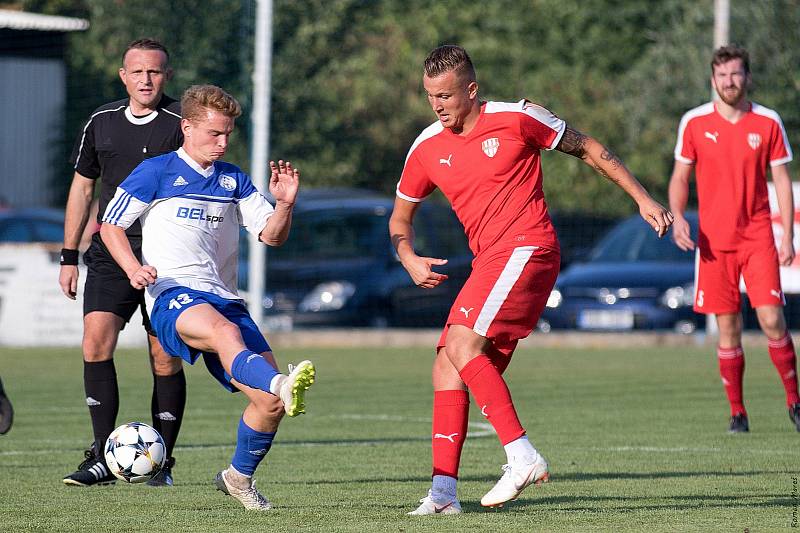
(521, 451)
(443, 488)
(275, 383)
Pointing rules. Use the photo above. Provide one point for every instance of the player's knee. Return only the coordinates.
(772, 324)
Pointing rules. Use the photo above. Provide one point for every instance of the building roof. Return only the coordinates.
(21, 20)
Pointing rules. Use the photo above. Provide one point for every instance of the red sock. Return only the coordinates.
(450, 416)
(491, 394)
(731, 370)
(783, 357)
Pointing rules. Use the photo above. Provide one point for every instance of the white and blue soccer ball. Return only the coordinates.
(135, 452)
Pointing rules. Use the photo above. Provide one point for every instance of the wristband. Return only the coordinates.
(69, 257)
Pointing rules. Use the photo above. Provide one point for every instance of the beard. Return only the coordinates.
(731, 96)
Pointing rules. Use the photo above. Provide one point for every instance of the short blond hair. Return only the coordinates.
(198, 98)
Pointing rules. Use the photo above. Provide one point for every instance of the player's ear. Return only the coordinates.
(472, 89)
(122, 74)
(186, 127)
(168, 73)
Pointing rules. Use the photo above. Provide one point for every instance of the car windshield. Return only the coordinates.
(634, 240)
(334, 235)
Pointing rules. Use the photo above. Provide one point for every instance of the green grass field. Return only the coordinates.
(635, 438)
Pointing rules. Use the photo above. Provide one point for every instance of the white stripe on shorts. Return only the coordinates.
(511, 273)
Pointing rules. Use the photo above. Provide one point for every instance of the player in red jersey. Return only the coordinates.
(485, 158)
(731, 143)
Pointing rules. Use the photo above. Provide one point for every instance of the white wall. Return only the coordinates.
(34, 312)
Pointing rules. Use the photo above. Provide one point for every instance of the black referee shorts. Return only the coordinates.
(108, 288)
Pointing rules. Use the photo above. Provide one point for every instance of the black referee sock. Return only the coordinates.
(102, 397)
(169, 400)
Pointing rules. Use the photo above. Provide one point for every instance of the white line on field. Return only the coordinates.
(478, 430)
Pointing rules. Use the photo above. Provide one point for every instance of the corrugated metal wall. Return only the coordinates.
(32, 100)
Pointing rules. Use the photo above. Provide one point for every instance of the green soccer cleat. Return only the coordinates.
(293, 389)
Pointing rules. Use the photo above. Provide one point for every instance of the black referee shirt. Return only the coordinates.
(114, 141)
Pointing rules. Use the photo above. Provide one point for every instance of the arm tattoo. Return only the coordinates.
(572, 143)
(601, 171)
(611, 157)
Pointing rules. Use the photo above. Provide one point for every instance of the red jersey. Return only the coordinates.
(492, 176)
(731, 163)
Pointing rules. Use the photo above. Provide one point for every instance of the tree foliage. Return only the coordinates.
(347, 99)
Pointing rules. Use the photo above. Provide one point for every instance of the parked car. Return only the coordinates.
(31, 225)
(339, 268)
(578, 233)
(631, 280)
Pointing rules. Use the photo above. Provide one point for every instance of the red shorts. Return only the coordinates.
(505, 294)
(717, 277)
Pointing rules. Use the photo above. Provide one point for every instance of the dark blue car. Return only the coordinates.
(31, 225)
(338, 267)
(632, 280)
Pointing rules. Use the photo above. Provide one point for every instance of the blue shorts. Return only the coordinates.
(172, 302)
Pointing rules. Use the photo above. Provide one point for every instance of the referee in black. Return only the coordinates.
(115, 139)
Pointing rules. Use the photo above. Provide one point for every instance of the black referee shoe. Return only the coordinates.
(794, 415)
(164, 476)
(739, 424)
(92, 471)
(7, 412)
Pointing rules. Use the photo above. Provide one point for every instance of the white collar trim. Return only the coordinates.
(139, 121)
(205, 172)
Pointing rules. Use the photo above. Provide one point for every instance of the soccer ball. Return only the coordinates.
(135, 452)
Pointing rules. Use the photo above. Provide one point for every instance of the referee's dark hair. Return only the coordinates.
(145, 44)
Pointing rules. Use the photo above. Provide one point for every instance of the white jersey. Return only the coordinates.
(190, 220)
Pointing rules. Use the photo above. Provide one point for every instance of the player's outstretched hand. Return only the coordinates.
(655, 214)
(68, 280)
(146, 275)
(681, 234)
(284, 181)
(421, 271)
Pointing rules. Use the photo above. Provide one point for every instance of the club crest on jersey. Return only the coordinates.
(227, 182)
(490, 146)
(754, 140)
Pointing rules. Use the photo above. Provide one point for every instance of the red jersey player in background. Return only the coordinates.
(485, 158)
(730, 143)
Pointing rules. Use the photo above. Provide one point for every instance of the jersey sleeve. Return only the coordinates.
(780, 149)
(684, 146)
(539, 127)
(84, 154)
(133, 196)
(254, 209)
(414, 184)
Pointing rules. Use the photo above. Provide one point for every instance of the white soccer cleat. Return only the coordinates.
(293, 389)
(249, 497)
(515, 479)
(428, 506)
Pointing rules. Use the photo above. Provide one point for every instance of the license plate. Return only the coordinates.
(606, 319)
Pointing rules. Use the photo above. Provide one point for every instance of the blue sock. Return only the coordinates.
(253, 370)
(251, 447)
